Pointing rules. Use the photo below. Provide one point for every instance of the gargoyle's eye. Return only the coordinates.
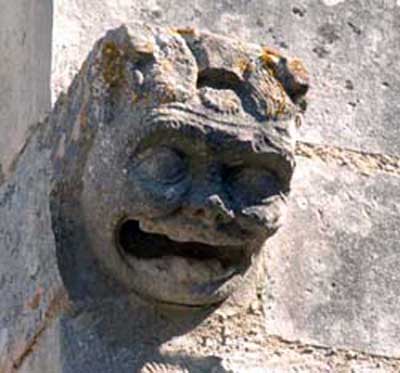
(161, 164)
(251, 185)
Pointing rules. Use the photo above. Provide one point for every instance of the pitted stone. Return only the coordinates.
(158, 183)
(173, 160)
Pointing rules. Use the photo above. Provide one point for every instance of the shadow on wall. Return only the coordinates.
(120, 336)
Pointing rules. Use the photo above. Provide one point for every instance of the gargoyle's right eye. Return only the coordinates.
(162, 164)
(251, 185)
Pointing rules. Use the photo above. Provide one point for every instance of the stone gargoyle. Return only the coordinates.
(164, 169)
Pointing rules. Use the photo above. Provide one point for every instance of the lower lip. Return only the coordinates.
(174, 279)
(182, 281)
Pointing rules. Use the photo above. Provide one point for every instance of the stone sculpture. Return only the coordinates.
(168, 163)
(176, 152)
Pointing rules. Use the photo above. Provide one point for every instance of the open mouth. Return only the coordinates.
(135, 242)
(184, 273)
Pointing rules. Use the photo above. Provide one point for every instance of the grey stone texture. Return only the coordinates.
(25, 49)
(350, 48)
(30, 284)
(172, 154)
(144, 201)
(333, 274)
(329, 301)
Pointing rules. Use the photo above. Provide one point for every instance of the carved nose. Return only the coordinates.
(215, 210)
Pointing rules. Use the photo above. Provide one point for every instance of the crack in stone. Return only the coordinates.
(358, 161)
(57, 304)
(275, 341)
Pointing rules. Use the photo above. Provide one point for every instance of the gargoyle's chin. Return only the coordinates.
(186, 274)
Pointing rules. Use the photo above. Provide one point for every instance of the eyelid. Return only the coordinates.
(149, 151)
(169, 174)
(236, 169)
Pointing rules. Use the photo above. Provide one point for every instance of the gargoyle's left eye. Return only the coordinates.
(251, 185)
(161, 164)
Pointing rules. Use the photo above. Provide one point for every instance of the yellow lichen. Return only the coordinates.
(276, 92)
(270, 57)
(113, 64)
(297, 68)
(243, 65)
(269, 62)
(188, 31)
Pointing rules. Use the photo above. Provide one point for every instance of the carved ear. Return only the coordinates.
(291, 73)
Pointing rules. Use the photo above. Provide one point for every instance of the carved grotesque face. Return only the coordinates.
(179, 194)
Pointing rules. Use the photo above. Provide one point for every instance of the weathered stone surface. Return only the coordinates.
(30, 284)
(173, 154)
(350, 48)
(332, 271)
(334, 280)
(143, 203)
(25, 49)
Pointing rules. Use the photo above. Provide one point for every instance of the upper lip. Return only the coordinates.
(181, 227)
(143, 245)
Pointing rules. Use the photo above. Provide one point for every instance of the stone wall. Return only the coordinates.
(25, 47)
(331, 294)
(324, 281)
(350, 48)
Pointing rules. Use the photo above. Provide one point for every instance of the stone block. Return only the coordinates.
(25, 47)
(333, 275)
